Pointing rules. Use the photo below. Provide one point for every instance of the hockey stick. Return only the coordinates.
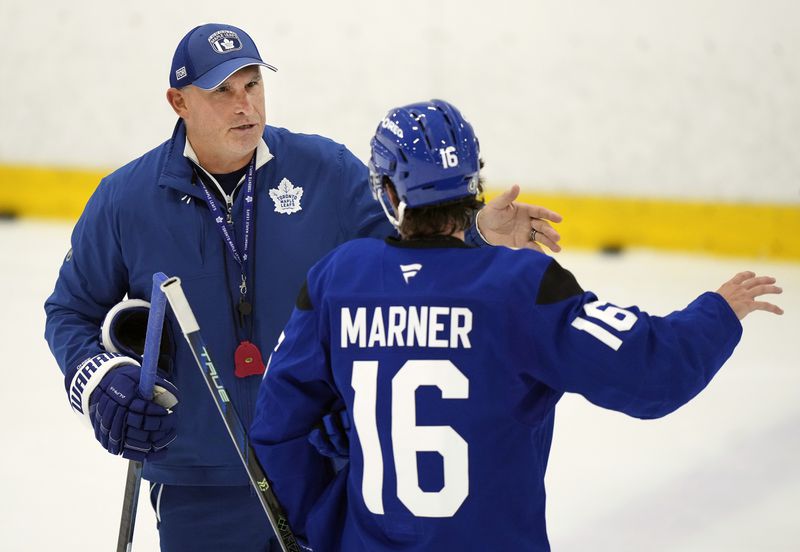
(191, 331)
(152, 345)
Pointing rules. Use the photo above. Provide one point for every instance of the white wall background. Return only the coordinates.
(696, 99)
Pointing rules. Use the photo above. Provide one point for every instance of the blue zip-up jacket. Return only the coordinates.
(151, 215)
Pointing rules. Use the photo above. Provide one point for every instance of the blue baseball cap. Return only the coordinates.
(211, 53)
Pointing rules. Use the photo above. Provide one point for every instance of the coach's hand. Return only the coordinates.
(105, 389)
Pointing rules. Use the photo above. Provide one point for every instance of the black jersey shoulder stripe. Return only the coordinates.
(557, 284)
(303, 301)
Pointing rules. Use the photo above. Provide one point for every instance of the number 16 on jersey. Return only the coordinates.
(408, 438)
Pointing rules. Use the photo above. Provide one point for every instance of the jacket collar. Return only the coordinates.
(178, 172)
(262, 154)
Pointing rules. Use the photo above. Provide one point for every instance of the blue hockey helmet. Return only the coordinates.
(430, 153)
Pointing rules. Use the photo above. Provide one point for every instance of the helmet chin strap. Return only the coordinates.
(401, 209)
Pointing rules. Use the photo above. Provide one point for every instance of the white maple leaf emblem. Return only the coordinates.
(286, 197)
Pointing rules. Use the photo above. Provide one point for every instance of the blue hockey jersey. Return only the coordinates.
(450, 361)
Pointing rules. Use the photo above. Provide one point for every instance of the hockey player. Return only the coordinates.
(240, 211)
(449, 361)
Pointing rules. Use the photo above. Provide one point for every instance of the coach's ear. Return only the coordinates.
(176, 98)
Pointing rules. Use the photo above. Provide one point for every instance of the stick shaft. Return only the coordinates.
(127, 522)
(152, 346)
(152, 340)
(258, 479)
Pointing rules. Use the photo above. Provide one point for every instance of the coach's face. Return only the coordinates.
(225, 124)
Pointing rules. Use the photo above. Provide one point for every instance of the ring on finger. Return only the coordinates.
(533, 234)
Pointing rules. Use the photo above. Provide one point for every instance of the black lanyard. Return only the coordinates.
(224, 223)
(225, 226)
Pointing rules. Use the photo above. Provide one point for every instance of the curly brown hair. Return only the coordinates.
(440, 219)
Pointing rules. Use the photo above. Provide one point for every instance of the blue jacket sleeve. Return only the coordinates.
(626, 360)
(297, 391)
(91, 280)
(359, 214)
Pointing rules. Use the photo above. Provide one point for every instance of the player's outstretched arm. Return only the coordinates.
(504, 221)
(742, 290)
(627, 360)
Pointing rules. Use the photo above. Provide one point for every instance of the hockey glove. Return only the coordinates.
(331, 440)
(105, 389)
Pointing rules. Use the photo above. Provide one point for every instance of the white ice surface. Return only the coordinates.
(720, 474)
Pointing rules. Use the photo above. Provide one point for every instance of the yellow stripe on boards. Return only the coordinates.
(739, 229)
(45, 192)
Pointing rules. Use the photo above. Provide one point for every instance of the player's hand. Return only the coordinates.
(330, 436)
(504, 221)
(742, 290)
